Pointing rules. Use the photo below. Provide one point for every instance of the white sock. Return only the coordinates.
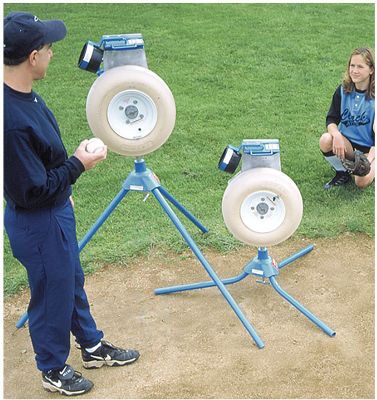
(335, 162)
(94, 348)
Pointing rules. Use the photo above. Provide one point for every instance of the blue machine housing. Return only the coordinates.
(113, 51)
(257, 153)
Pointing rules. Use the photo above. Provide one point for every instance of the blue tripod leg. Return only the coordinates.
(295, 256)
(182, 209)
(102, 218)
(199, 285)
(301, 308)
(182, 230)
(22, 320)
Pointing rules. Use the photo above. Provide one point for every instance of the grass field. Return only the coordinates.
(236, 71)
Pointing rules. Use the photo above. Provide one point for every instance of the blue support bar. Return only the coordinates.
(22, 321)
(207, 267)
(102, 218)
(295, 256)
(200, 285)
(182, 209)
(301, 308)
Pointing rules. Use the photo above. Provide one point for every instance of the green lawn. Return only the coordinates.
(236, 71)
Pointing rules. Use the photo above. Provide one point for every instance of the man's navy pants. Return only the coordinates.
(44, 241)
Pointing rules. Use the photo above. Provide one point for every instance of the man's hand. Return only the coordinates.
(89, 160)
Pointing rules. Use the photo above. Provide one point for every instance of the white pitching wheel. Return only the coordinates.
(262, 207)
(131, 109)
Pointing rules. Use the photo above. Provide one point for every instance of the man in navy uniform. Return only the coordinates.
(39, 217)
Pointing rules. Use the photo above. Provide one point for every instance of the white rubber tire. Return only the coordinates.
(279, 218)
(146, 84)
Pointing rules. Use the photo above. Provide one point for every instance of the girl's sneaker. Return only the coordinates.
(340, 178)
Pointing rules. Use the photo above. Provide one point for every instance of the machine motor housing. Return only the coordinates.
(113, 51)
(257, 153)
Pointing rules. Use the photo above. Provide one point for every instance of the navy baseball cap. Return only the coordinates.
(25, 32)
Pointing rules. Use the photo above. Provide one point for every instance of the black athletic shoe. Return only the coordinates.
(67, 381)
(108, 354)
(340, 178)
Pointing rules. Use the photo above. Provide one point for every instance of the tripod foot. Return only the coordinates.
(301, 308)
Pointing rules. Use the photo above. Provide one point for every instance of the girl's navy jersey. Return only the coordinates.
(37, 170)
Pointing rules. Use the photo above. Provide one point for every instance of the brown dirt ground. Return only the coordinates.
(193, 346)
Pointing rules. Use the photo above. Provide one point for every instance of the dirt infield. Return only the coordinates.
(193, 346)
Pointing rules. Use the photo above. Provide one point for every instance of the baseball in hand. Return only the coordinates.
(94, 145)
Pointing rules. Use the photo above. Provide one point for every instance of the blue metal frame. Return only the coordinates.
(262, 266)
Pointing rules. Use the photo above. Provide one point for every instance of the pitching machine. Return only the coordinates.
(132, 110)
(261, 206)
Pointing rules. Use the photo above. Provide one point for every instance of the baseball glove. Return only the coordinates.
(358, 165)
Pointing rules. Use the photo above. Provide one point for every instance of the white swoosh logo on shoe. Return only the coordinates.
(57, 384)
(65, 371)
(107, 358)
